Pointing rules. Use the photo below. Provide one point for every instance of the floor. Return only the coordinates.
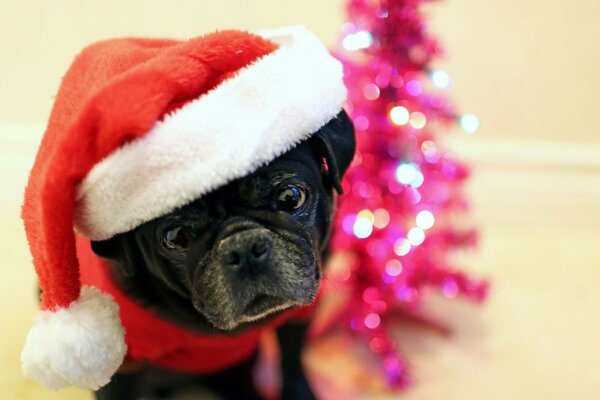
(538, 336)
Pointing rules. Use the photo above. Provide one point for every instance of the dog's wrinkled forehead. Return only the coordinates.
(298, 163)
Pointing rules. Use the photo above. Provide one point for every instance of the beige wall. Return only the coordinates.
(529, 68)
(41, 37)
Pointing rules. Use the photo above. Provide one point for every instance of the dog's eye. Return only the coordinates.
(290, 198)
(177, 238)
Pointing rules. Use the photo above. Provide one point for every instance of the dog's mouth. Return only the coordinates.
(264, 305)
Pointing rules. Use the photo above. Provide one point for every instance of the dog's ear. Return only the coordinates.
(336, 143)
(120, 250)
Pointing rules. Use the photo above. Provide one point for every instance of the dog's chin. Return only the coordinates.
(262, 309)
(264, 306)
(248, 319)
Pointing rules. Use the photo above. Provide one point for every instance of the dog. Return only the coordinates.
(235, 259)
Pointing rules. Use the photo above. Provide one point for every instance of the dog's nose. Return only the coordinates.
(245, 253)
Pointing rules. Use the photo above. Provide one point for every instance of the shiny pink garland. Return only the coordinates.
(394, 219)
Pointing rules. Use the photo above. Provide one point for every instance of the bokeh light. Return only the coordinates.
(430, 150)
(416, 236)
(372, 320)
(425, 219)
(393, 267)
(399, 115)
(382, 218)
(414, 87)
(357, 41)
(409, 174)
(440, 79)
(371, 91)
(402, 247)
(449, 288)
(469, 123)
(417, 120)
(363, 226)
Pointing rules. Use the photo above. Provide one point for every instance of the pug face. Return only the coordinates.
(245, 252)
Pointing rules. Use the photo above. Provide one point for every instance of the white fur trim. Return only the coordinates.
(82, 345)
(242, 124)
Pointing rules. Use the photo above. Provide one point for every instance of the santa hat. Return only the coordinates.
(139, 128)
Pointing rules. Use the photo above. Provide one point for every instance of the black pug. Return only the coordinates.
(236, 258)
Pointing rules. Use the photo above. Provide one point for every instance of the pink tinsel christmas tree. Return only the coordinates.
(403, 190)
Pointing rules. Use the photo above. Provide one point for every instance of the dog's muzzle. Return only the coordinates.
(247, 253)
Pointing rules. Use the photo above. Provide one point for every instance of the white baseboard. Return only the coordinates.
(532, 182)
(526, 153)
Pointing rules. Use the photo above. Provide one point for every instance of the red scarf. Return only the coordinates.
(165, 344)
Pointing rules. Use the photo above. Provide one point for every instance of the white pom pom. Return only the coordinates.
(82, 345)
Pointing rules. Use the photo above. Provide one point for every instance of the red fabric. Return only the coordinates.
(114, 91)
(153, 339)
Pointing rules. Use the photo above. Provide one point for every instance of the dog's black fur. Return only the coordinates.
(238, 256)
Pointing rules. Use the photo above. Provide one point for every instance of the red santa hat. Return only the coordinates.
(139, 128)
